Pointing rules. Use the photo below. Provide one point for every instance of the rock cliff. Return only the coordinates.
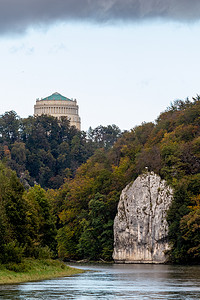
(140, 226)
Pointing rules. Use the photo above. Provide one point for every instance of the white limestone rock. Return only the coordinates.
(140, 226)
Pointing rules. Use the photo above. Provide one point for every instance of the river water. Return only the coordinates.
(114, 282)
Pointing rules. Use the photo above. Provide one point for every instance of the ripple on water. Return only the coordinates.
(114, 282)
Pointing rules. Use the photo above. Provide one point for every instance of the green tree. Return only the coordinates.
(190, 229)
(9, 127)
(104, 136)
(44, 220)
(13, 222)
(95, 240)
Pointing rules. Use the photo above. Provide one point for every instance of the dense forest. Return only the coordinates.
(44, 150)
(61, 196)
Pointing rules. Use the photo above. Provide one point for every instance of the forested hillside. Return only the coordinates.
(42, 152)
(74, 217)
(171, 148)
(46, 150)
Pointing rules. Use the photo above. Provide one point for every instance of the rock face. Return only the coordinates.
(140, 226)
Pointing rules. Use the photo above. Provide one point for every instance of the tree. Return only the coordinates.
(104, 136)
(41, 212)
(97, 237)
(190, 229)
(13, 221)
(9, 127)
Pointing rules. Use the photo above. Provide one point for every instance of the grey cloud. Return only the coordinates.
(18, 15)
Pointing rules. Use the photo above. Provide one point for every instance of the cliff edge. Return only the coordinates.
(140, 226)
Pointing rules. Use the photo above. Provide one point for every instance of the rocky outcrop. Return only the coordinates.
(140, 226)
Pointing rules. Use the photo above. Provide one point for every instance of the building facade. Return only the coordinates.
(58, 106)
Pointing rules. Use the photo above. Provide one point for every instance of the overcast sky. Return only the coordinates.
(123, 60)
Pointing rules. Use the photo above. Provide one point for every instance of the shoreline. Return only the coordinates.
(35, 270)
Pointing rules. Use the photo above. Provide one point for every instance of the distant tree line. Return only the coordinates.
(46, 150)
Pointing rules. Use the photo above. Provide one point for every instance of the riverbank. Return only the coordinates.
(34, 270)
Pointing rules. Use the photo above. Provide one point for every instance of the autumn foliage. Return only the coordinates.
(83, 175)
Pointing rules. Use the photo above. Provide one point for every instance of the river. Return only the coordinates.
(114, 282)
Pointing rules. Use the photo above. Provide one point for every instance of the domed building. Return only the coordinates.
(57, 106)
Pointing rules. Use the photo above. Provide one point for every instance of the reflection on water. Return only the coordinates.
(114, 282)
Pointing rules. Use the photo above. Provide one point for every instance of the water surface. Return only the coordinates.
(114, 282)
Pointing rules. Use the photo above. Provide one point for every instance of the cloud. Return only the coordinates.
(22, 48)
(18, 15)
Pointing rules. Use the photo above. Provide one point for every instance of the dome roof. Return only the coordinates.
(56, 96)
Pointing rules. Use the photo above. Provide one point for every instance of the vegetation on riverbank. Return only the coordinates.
(75, 221)
(88, 203)
(34, 270)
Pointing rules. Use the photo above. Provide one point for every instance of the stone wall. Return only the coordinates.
(140, 226)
